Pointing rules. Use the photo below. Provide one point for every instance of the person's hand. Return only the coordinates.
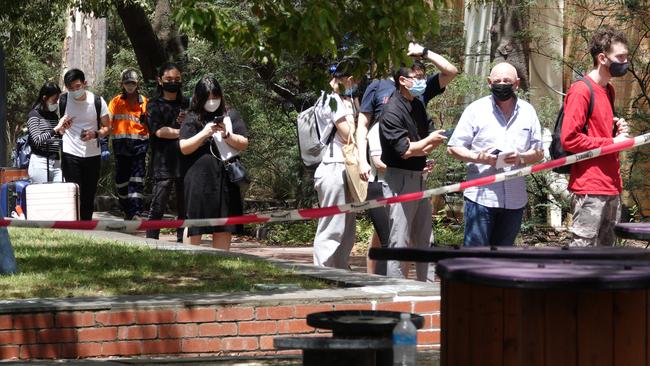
(428, 167)
(512, 158)
(64, 123)
(436, 138)
(621, 137)
(364, 167)
(415, 50)
(209, 129)
(181, 117)
(622, 127)
(485, 157)
(87, 135)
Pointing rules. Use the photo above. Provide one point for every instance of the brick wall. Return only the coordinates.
(186, 331)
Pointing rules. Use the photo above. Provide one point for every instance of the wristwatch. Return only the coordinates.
(425, 52)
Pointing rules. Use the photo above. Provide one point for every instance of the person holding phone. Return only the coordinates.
(499, 128)
(81, 158)
(45, 129)
(211, 137)
(164, 118)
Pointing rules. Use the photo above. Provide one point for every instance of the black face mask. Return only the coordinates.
(171, 86)
(617, 69)
(503, 92)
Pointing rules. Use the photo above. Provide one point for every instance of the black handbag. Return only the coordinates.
(236, 171)
(234, 168)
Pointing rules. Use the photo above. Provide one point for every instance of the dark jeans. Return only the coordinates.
(129, 181)
(84, 172)
(491, 226)
(380, 218)
(162, 189)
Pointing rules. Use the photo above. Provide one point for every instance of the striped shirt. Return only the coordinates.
(42, 138)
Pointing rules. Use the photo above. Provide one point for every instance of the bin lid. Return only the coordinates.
(547, 274)
(435, 254)
(360, 322)
(633, 230)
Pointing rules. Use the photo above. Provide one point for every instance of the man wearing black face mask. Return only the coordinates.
(496, 133)
(596, 183)
(164, 116)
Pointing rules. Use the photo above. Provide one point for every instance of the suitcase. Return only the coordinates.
(53, 201)
(12, 174)
(12, 196)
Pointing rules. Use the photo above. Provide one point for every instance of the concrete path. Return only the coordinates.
(298, 254)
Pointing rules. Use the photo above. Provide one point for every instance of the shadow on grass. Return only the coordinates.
(61, 264)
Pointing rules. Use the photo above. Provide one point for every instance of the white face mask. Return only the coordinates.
(76, 94)
(52, 107)
(212, 105)
(130, 88)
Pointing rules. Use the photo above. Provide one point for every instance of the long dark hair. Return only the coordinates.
(47, 90)
(204, 87)
(164, 68)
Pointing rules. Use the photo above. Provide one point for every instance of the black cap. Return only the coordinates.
(130, 75)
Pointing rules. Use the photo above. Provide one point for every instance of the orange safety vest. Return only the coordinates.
(127, 121)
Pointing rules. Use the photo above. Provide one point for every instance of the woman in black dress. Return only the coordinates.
(211, 134)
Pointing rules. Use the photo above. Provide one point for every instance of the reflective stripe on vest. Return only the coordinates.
(130, 136)
(127, 116)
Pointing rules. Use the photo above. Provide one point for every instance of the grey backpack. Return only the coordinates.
(309, 137)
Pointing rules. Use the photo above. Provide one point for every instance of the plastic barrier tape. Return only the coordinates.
(314, 213)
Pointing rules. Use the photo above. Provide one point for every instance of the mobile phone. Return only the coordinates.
(218, 120)
(495, 152)
(448, 132)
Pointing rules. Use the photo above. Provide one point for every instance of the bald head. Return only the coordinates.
(502, 70)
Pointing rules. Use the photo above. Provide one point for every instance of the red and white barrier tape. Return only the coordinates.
(314, 213)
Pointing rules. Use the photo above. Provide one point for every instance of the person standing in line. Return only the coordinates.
(45, 129)
(596, 184)
(335, 234)
(407, 137)
(130, 137)
(80, 161)
(375, 97)
(500, 121)
(164, 117)
(212, 136)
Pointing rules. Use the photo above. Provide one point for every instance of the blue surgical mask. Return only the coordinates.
(419, 85)
(351, 90)
(76, 94)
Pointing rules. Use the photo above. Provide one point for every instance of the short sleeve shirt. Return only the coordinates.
(327, 113)
(164, 152)
(193, 124)
(84, 118)
(482, 126)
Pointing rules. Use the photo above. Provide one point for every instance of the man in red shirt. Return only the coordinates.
(596, 183)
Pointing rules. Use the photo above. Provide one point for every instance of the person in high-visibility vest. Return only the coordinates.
(130, 137)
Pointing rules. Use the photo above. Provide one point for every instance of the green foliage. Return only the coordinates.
(312, 30)
(32, 49)
(57, 263)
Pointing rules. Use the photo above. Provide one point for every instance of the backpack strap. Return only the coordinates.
(591, 104)
(98, 111)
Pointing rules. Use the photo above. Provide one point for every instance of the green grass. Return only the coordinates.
(56, 263)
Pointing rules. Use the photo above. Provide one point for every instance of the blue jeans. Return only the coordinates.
(491, 226)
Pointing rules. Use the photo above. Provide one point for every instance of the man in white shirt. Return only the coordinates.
(494, 130)
(81, 161)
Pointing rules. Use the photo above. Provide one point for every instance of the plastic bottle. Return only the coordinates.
(404, 342)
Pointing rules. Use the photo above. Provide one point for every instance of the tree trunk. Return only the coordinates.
(165, 29)
(145, 42)
(507, 40)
